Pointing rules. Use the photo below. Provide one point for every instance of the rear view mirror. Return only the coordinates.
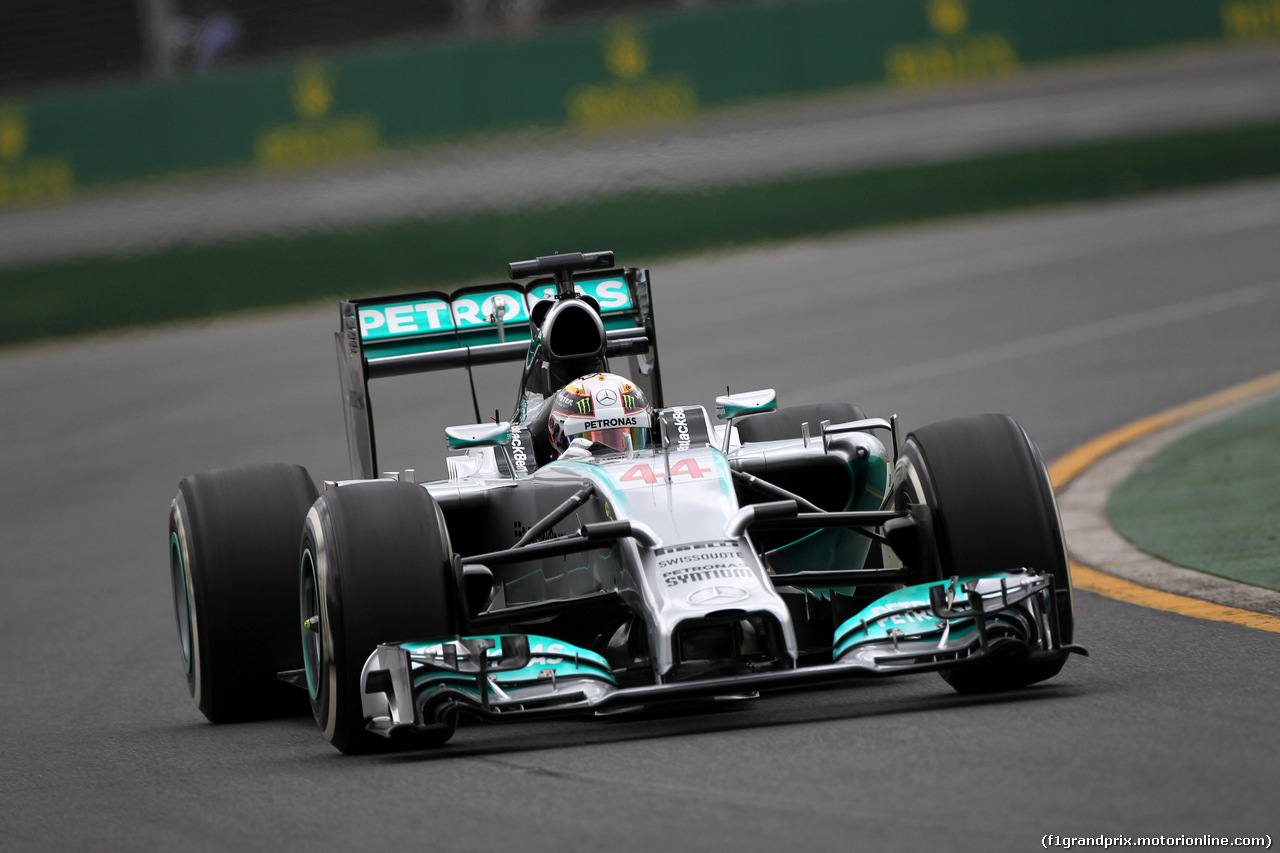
(733, 406)
(478, 435)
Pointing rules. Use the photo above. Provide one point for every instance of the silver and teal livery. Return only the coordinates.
(772, 549)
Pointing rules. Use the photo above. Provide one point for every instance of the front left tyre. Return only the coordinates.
(233, 545)
(992, 508)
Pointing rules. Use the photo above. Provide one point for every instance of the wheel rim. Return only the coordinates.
(181, 600)
(310, 609)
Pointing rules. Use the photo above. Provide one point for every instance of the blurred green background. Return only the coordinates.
(350, 89)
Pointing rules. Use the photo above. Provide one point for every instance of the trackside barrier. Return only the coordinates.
(657, 68)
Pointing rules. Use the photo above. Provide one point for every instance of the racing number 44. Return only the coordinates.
(685, 468)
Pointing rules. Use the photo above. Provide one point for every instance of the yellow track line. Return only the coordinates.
(1074, 463)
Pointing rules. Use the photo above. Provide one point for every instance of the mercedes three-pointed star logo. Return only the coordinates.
(717, 595)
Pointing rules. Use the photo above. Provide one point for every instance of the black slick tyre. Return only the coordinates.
(375, 567)
(233, 544)
(991, 508)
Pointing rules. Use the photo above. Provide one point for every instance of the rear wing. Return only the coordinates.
(485, 324)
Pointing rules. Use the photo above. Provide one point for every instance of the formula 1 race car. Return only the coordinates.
(603, 551)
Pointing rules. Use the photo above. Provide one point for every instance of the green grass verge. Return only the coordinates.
(1212, 500)
(98, 293)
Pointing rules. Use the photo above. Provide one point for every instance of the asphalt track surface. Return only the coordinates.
(846, 130)
(1075, 320)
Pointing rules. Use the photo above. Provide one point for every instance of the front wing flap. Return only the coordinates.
(420, 683)
(956, 621)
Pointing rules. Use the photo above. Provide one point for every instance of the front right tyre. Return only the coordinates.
(375, 567)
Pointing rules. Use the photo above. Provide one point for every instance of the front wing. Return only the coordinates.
(970, 621)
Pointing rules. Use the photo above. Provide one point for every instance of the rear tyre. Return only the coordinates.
(376, 567)
(785, 423)
(233, 543)
(992, 508)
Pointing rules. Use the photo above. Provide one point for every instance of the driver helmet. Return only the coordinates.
(603, 408)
